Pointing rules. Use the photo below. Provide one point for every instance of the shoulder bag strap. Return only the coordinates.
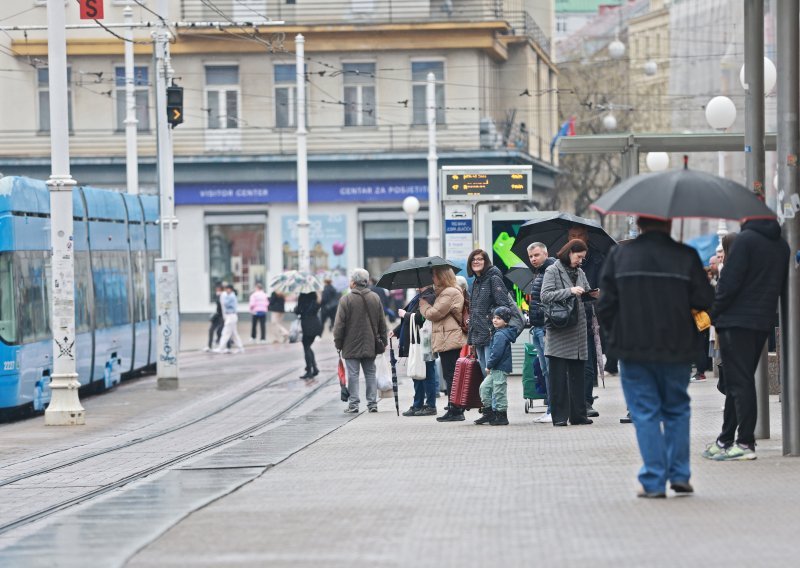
(369, 316)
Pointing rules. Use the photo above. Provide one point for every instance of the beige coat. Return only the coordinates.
(445, 315)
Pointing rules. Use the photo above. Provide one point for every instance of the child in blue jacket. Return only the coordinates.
(498, 366)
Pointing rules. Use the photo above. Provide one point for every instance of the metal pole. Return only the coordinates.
(131, 151)
(303, 255)
(65, 407)
(722, 225)
(410, 236)
(434, 234)
(754, 159)
(788, 39)
(166, 281)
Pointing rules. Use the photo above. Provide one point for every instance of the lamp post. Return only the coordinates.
(411, 207)
(720, 115)
(657, 161)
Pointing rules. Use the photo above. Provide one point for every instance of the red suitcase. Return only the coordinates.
(466, 383)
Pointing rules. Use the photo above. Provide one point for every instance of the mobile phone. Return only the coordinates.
(592, 290)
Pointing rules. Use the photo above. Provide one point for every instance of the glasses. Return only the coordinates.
(477, 259)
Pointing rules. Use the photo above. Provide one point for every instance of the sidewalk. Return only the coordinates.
(392, 491)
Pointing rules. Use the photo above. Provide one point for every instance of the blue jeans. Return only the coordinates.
(537, 338)
(657, 394)
(426, 388)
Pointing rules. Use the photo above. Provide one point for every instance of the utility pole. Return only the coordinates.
(788, 148)
(303, 244)
(65, 407)
(166, 275)
(754, 160)
(131, 123)
(434, 217)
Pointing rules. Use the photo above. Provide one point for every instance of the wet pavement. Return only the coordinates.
(245, 465)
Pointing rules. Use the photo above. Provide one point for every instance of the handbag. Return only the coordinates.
(380, 346)
(295, 330)
(561, 313)
(342, 372)
(426, 340)
(701, 319)
(415, 364)
(517, 318)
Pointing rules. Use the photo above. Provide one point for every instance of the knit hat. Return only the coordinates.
(503, 313)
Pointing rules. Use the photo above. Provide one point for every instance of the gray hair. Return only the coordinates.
(537, 245)
(359, 277)
(462, 282)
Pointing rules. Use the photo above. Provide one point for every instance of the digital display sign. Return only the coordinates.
(490, 183)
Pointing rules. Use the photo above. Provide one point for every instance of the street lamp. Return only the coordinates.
(616, 49)
(657, 161)
(770, 76)
(650, 68)
(411, 207)
(609, 122)
(721, 114)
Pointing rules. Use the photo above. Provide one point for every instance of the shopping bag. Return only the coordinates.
(295, 331)
(426, 339)
(383, 373)
(415, 366)
(345, 394)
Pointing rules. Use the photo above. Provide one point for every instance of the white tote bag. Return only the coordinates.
(383, 373)
(416, 364)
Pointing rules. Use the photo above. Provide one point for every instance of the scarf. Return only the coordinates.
(573, 274)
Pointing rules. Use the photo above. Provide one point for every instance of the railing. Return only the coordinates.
(250, 141)
(332, 12)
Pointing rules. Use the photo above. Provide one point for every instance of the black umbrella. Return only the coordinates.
(551, 227)
(413, 273)
(682, 193)
(521, 275)
(393, 362)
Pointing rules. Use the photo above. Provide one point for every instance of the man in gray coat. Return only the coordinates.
(358, 324)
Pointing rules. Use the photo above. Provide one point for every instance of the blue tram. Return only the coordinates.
(117, 240)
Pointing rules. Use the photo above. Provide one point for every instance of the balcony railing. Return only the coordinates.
(250, 141)
(333, 12)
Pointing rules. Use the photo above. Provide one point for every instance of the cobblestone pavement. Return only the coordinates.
(381, 489)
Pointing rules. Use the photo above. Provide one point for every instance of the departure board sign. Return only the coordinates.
(486, 183)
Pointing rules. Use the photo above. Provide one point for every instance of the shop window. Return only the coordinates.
(419, 81)
(386, 242)
(237, 256)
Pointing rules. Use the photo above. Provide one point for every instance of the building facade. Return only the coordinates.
(235, 154)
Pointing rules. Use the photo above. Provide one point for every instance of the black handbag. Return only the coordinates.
(561, 314)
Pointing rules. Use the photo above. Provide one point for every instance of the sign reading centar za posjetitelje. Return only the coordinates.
(91, 9)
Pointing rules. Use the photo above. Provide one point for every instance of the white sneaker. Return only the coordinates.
(240, 350)
(217, 350)
(544, 418)
(206, 349)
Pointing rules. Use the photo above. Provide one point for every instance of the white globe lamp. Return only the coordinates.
(650, 68)
(616, 49)
(657, 161)
(770, 76)
(609, 122)
(411, 205)
(720, 113)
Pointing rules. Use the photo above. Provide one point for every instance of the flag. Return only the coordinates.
(567, 129)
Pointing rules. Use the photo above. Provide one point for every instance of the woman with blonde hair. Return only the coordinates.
(447, 338)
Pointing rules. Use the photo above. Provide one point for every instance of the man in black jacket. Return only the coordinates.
(647, 291)
(744, 313)
(537, 254)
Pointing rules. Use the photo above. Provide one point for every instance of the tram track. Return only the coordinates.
(164, 464)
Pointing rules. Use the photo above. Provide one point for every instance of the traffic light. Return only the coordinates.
(174, 105)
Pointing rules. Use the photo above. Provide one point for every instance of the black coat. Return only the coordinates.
(488, 292)
(308, 310)
(403, 329)
(752, 279)
(276, 303)
(647, 290)
(535, 311)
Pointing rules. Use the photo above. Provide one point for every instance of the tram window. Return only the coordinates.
(8, 324)
(139, 286)
(100, 278)
(82, 293)
(31, 280)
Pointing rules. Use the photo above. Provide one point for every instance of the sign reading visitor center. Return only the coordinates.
(486, 183)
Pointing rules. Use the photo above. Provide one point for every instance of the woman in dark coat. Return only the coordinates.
(566, 348)
(307, 310)
(488, 292)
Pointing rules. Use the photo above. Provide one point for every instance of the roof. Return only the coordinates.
(578, 6)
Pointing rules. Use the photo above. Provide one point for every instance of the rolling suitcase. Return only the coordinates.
(466, 383)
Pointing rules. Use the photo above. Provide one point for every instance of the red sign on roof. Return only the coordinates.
(91, 9)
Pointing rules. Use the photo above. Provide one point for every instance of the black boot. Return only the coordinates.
(488, 416)
(307, 375)
(315, 372)
(454, 414)
(500, 418)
